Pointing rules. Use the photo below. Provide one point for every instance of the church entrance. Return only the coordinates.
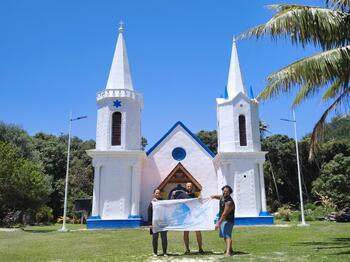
(177, 180)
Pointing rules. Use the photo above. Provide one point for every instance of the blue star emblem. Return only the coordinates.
(117, 103)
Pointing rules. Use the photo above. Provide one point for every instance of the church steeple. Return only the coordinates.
(119, 75)
(234, 82)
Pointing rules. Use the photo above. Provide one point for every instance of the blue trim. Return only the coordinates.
(94, 217)
(251, 221)
(251, 94)
(113, 223)
(264, 213)
(226, 93)
(135, 216)
(188, 131)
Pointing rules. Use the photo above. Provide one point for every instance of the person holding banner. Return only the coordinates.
(179, 194)
(226, 217)
(155, 236)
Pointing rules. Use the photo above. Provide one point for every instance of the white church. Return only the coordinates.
(125, 176)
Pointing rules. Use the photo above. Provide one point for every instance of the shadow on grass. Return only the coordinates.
(335, 243)
(28, 230)
(205, 253)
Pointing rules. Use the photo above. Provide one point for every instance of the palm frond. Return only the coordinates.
(317, 132)
(304, 25)
(343, 5)
(311, 74)
(332, 91)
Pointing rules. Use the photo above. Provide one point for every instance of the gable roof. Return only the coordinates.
(204, 146)
(187, 177)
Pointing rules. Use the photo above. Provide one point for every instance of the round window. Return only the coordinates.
(179, 153)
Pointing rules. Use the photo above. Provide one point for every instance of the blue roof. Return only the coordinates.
(251, 94)
(226, 93)
(204, 146)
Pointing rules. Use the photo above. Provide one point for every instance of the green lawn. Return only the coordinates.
(322, 241)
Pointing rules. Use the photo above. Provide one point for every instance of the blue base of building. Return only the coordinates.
(97, 223)
(264, 218)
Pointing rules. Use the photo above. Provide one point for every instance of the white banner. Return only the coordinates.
(194, 214)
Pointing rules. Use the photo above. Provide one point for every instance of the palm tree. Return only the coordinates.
(328, 71)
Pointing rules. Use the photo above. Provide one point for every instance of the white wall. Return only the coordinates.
(228, 112)
(131, 124)
(116, 191)
(241, 173)
(160, 163)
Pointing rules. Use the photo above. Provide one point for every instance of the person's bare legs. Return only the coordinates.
(228, 246)
(199, 240)
(187, 241)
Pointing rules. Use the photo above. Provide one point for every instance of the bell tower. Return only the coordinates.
(118, 157)
(240, 160)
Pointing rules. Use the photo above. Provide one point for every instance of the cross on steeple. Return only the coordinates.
(121, 26)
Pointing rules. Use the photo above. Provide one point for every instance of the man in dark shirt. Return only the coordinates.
(226, 217)
(183, 195)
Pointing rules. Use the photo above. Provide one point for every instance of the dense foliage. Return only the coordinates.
(23, 184)
(326, 72)
(32, 172)
(33, 168)
(334, 182)
(209, 138)
(280, 168)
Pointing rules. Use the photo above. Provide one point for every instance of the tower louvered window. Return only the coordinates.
(242, 131)
(116, 128)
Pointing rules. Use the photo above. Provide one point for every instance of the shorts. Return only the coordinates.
(225, 229)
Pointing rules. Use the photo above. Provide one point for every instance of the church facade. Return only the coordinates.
(125, 176)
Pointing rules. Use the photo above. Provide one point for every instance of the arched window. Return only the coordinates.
(116, 128)
(242, 131)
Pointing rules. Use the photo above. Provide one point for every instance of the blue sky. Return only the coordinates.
(56, 55)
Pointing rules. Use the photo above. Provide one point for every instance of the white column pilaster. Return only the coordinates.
(135, 187)
(96, 192)
(262, 188)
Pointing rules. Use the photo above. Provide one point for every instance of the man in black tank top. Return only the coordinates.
(226, 217)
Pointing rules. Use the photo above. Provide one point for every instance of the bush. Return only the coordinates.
(11, 218)
(60, 220)
(310, 206)
(295, 216)
(284, 213)
(310, 218)
(44, 215)
(69, 220)
(333, 184)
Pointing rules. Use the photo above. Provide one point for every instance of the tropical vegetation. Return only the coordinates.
(325, 181)
(327, 72)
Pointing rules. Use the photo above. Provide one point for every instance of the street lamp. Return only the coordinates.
(298, 164)
(64, 229)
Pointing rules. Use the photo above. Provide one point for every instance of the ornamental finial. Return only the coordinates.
(121, 27)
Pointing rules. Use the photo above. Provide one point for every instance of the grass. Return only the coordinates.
(322, 241)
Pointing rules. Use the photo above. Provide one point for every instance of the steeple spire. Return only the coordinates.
(119, 75)
(234, 83)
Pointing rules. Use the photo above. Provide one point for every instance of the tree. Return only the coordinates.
(334, 182)
(280, 169)
(52, 152)
(144, 143)
(338, 129)
(209, 138)
(23, 184)
(325, 27)
(19, 138)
